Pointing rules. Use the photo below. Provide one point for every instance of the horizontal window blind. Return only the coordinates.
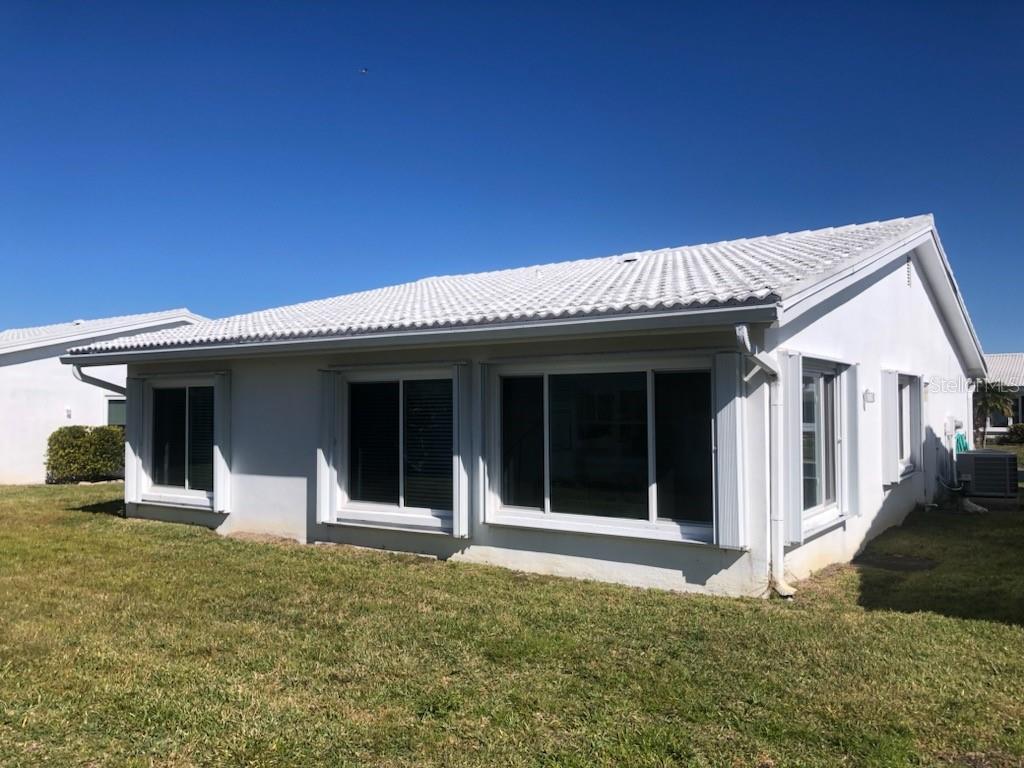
(200, 438)
(428, 443)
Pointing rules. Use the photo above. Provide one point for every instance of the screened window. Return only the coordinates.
(182, 443)
(819, 439)
(116, 413)
(400, 443)
(630, 445)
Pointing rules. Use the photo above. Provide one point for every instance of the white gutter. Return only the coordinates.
(777, 541)
(85, 378)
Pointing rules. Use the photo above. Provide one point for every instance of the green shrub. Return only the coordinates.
(78, 453)
(1014, 435)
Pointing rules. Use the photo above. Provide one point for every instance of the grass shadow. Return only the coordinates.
(970, 566)
(114, 508)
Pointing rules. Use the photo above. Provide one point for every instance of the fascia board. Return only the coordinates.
(700, 319)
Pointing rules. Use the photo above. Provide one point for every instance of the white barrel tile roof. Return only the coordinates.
(41, 335)
(761, 270)
(1006, 368)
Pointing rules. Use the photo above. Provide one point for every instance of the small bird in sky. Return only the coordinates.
(364, 71)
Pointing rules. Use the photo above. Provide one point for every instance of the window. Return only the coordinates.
(178, 441)
(902, 440)
(683, 435)
(427, 440)
(522, 441)
(998, 420)
(616, 447)
(907, 404)
(598, 444)
(116, 412)
(390, 451)
(374, 443)
(904, 417)
(819, 426)
(819, 438)
(182, 438)
(400, 443)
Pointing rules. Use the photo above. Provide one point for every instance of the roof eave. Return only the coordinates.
(981, 365)
(127, 328)
(765, 311)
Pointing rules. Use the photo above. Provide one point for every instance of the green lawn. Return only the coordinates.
(125, 642)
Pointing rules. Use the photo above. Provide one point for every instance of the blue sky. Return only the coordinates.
(233, 157)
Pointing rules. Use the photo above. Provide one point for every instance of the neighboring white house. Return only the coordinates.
(38, 394)
(715, 417)
(1007, 370)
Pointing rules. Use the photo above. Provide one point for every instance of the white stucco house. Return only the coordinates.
(38, 394)
(1007, 370)
(724, 417)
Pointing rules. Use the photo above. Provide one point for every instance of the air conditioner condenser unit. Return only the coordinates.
(988, 473)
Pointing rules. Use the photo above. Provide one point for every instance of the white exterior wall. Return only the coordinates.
(275, 434)
(37, 395)
(890, 324)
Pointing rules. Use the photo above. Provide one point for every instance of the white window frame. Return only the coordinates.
(828, 511)
(909, 410)
(348, 511)
(169, 495)
(499, 514)
(116, 399)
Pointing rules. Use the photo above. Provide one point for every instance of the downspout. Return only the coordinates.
(85, 378)
(777, 532)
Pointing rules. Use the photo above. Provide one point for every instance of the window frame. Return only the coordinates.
(172, 495)
(497, 513)
(913, 410)
(826, 512)
(111, 399)
(348, 511)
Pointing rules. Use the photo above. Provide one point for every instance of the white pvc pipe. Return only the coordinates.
(777, 530)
